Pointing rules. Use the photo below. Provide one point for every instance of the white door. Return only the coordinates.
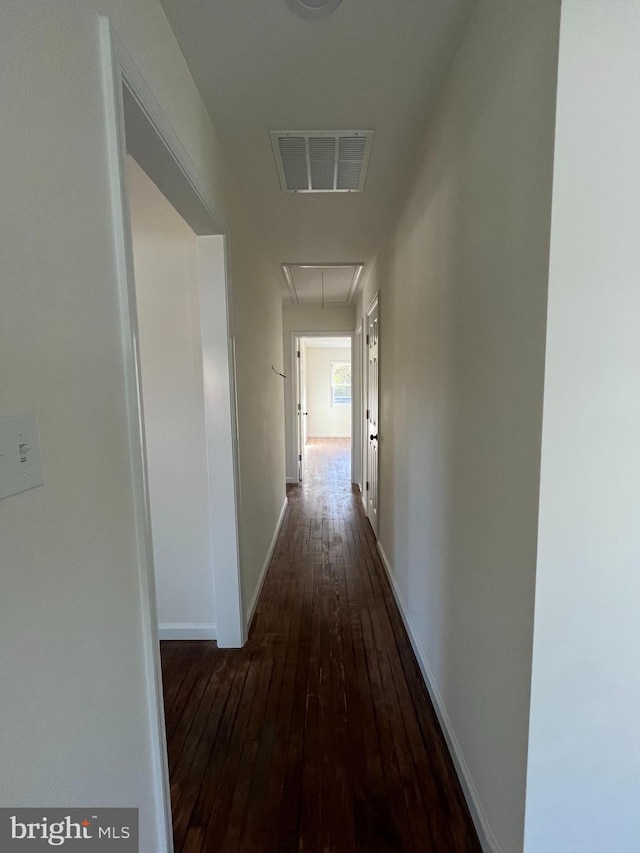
(372, 343)
(302, 405)
(357, 410)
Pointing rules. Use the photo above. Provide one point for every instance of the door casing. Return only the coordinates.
(157, 141)
(357, 408)
(295, 397)
(372, 421)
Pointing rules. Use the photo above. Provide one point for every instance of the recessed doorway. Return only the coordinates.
(324, 395)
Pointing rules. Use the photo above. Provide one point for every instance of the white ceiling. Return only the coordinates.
(372, 64)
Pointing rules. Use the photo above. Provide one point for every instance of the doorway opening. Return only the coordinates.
(165, 254)
(323, 401)
(188, 475)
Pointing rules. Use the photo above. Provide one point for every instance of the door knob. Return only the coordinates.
(373, 437)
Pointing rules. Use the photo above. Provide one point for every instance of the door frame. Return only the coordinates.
(180, 181)
(293, 372)
(375, 303)
(300, 404)
(357, 408)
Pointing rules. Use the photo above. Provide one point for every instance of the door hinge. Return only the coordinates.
(367, 485)
(299, 457)
(367, 340)
(298, 353)
(366, 417)
(299, 406)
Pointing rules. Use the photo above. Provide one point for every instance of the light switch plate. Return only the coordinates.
(20, 462)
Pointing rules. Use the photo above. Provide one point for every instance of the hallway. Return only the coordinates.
(319, 734)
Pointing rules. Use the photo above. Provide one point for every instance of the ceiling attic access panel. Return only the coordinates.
(327, 161)
(325, 284)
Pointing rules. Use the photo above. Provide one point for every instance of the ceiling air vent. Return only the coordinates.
(322, 161)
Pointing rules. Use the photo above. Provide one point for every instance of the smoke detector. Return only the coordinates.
(314, 8)
(322, 161)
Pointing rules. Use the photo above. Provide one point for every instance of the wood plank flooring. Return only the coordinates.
(319, 735)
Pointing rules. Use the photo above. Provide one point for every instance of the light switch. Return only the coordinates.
(20, 462)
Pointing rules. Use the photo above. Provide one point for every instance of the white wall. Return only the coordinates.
(219, 403)
(167, 297)
(257, 345)
(304, 318)
(583, 785)
(325, 420)
(463, 282)
(77, 725)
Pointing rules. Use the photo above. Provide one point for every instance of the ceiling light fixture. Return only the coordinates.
(317, 4)
(314, 8)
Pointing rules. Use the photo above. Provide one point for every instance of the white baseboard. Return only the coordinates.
(485, 835)
(186, 631)
(293, 481)
(263, 572)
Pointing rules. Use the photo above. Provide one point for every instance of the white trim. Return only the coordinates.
(112, 79)
(263, 573)
(220, 420)
(286, 271)
(205, 218)
(354, 284)
(362, 425)
(119, 72)
(356, 407)
(485, 835)
(292, 414)
(187, 631)
(374, 301)
(293, 481)
(130, 74)
(374, 516)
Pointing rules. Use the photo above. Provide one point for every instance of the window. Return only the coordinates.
(340, 383)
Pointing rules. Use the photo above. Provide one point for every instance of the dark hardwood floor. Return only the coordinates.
(318, 735)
